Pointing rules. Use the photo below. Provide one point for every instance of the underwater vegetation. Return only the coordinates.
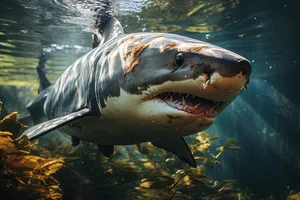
(154, 174)
(51, 168)
(294, 196)
(22, 174)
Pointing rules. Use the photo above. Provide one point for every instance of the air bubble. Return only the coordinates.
(208, 36)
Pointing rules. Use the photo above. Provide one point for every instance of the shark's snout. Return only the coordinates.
(226, 63)
(245, 67)
(230, 66)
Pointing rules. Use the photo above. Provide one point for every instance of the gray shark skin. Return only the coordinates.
(142, 87)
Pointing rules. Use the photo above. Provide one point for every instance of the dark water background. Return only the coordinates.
(265, 119)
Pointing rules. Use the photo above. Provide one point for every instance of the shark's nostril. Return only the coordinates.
(245, 66)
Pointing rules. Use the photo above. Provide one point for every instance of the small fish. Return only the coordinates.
(110, 95)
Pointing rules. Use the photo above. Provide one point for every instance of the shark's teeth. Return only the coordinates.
(213, 108)
(196, 106)
(206, 84)
(189, 102)
(217, 106)
(183, 100)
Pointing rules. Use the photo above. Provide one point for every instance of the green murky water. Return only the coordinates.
(265, 119)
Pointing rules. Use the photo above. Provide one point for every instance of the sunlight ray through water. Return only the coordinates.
(265, 119)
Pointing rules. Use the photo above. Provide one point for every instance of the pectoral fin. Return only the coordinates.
(48, 126)
(179, 147)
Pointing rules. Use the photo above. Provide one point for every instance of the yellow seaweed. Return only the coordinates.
(294, 196)
(22, 174)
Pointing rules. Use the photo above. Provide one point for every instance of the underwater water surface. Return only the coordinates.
(265, 119)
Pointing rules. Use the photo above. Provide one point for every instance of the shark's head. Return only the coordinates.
(172, 84)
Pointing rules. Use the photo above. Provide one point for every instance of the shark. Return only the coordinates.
(140, 87)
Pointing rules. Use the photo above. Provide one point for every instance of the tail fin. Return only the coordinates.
(44, 82)
(36, 106)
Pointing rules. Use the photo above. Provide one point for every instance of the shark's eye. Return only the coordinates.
(179, 60)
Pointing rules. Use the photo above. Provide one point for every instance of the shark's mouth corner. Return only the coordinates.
(191, 104)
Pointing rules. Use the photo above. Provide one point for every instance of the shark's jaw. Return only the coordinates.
(201, 98)
(191, 104)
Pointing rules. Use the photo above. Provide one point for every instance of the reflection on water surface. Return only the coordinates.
(265, 119)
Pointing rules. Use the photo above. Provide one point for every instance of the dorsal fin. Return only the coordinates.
(108, 29)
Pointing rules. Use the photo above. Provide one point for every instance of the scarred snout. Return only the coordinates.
(225, 63)
(225, 73)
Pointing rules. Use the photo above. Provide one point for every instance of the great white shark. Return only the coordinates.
(140, 87)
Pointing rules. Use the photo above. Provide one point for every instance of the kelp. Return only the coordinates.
(146, 172)
(202, 149)
(22, 174)
(191, 183)
(294, 196)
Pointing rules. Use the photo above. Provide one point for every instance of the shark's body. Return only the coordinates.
(142, 87)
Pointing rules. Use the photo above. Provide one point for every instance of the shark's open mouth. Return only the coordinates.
(191, 104)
